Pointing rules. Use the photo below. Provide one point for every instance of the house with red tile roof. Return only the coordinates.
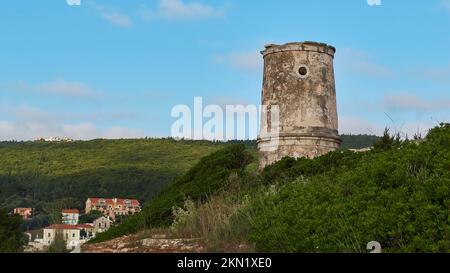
(72, 234)
(113, 207)
(70, 216)
(25, 213)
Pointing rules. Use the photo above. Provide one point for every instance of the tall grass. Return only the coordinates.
(221, 222)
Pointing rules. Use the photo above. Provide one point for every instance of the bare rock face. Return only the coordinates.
(299, 83)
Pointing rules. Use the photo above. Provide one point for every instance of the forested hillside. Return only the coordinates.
(358, 141)
(48, 176)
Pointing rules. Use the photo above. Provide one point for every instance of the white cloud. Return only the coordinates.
(412, 103)
(111, 15)
(32, 130)
(362, 63)
(86, 131)
(29, 123)
(116, 132)
(73, 2)
(357, 125)
(421, 128)
(250, 61)
(117, 19)
(436, 74)
(59, 87)
(66, 88)
(182, 10)
(374, 2)
(445, 4)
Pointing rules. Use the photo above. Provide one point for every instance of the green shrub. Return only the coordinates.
(59, 244)
(398, 195)
(11, 237)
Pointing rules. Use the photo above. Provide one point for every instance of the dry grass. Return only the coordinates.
(219, 221)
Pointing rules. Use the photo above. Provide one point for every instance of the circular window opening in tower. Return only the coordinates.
(303, 71)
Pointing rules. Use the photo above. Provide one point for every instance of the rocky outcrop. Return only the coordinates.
(158, 243)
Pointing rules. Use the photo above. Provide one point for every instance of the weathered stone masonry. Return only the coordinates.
(299, 79)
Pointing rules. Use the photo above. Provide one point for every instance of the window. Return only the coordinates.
(303, 71)
(49, 234)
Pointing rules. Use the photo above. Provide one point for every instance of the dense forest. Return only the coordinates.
(397, 194)
(50, 176)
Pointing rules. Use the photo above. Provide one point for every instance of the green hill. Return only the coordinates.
(47, 175)
(358, 141)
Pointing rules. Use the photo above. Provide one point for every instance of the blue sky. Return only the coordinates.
(115, 68)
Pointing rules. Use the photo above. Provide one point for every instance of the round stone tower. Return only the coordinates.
(299, 98)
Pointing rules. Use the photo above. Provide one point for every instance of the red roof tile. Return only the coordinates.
(65, 226)
(110, 201)
(23, 209)
(71, 211)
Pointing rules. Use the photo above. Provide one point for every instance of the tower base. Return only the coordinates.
(273, 149)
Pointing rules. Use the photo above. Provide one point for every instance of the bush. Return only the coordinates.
(11, 237)
(59, 244)
(90, 217)
(399, 197)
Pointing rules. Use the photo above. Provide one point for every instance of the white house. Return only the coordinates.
(72, 234)
(70, 216)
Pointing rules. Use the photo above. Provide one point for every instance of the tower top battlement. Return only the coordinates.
(300, 46)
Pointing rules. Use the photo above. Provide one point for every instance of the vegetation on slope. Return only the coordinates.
(49, 176)
(397, 194)
(208, 176)
(11, 237)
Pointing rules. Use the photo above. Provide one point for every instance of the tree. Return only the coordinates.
(11, 237)
(58, 245)
(388, 141)
(54, 209)
(83, 233)
(90, 217)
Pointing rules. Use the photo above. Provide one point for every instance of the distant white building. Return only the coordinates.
(70, 216)
(71, 233)
(56, 139)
